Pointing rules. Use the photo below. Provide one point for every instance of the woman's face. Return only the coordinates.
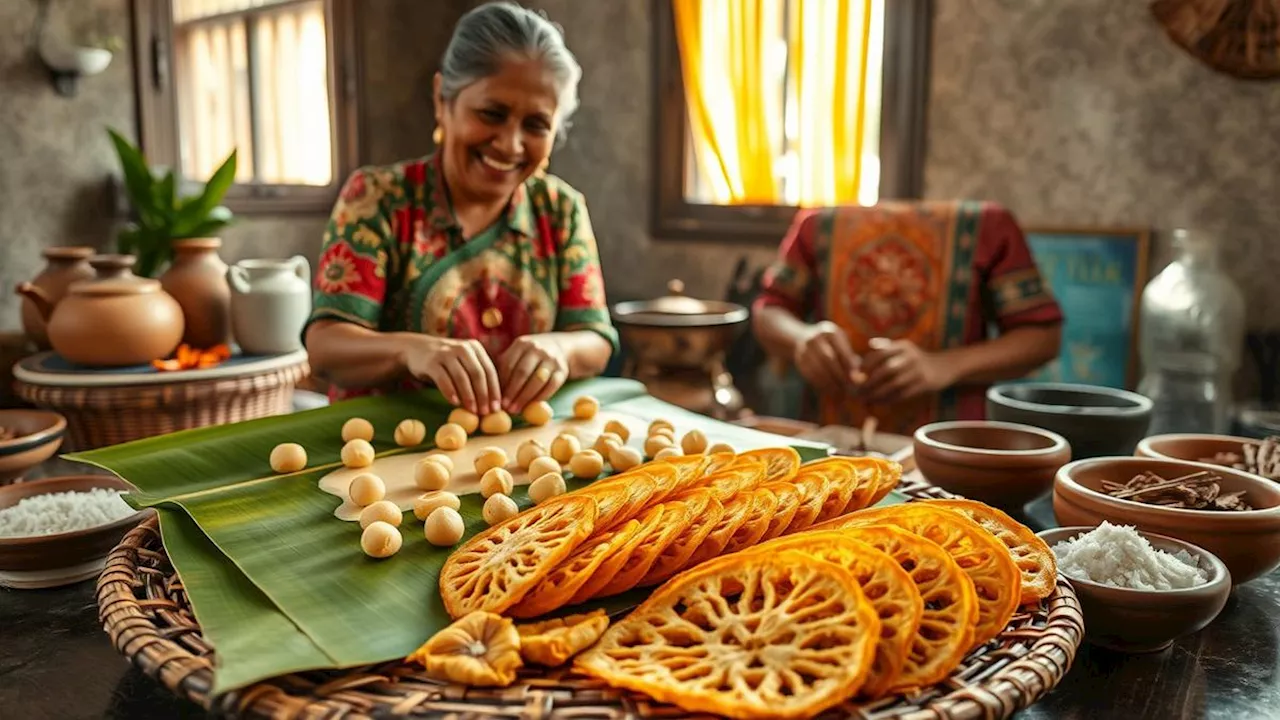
(498, 130)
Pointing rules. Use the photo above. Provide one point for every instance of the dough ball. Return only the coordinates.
(654, 443)
(366, 489)
(564, 447)
(410, 433)
(381, 511)
(659, 424)
(427, 502)
(529, 451)
(538, 413)
(357, 454)
(450, 437)
(443, 459)
(624, 458)
(587, 465)
(606, 441)
(720, 448)
(288, 457)
(443, 527)
(693, 442)
(498, 423)
(496, 481)
(664, 453)
(357, 429)
(543, 465)
(430, 475)
(381, 540)
(490, 457)
(465, 419)
(617, 428)
(499, 508)
(665, 432)
(546, 487)
(585, 407)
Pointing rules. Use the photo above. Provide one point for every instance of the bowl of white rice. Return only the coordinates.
(60, 530)
(1139, 591)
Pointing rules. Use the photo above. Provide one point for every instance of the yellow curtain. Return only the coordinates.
(724, 51)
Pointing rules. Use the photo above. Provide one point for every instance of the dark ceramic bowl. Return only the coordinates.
(1247, 542)
(1097, 421)
(47, 555)
(1001, 464)
(1140, 621)
(1192, 447)
(38, 436)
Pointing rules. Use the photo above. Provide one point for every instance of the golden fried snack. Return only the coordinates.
(1032, 555)
(481, 649)
(705, 512)
(751, 635)
(736, 513)
(814, 489)
(781, 463)
(558, 587)
(552, 643)
(733, 479)
(789, 498)
(677, 514)
(650, 523)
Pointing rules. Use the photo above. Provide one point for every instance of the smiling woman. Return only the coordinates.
(471, 269)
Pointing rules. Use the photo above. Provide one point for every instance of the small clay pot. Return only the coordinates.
(1001, 464)
(1142, 621)
(1096, 420)
(113, 267)
(197, 279)
(64, 265)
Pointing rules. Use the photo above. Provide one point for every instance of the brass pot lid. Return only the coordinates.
(678, 310)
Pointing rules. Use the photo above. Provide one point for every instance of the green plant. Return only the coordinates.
(162, 214)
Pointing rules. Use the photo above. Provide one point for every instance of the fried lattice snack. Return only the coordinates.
(736, 513)
(781, 463)
(622, 497)
(751, 635)
(987, 562)
(705, 512)
(481, 649)
(764, 505)
(1031, 554)
(560, 585)
(788, 498)
(676, 515)
(552, 643)
(742, 475)
(886, 585)
(495, 569)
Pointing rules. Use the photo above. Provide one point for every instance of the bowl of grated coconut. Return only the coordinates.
(1139, 591)
(60, 530)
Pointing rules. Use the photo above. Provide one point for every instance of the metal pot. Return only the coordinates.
(676, 331)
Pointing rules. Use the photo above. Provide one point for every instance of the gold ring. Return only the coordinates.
(542, 374)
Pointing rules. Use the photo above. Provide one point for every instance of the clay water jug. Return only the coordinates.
(63, 266)
(197, 279)
(270, 303)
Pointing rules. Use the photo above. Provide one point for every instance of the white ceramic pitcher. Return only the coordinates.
(270, 302)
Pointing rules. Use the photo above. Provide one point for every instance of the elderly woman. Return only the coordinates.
(471, 270)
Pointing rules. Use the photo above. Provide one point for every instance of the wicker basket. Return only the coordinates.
(98, 416)
(145, 610)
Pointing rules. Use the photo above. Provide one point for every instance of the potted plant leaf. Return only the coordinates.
(161, 213)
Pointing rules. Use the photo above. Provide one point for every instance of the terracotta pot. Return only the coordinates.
(63, 266)
(1139, 621)
(1248, 542)
(1001, 464)
(116, 322)
(113, 267)
(197, 279)
(270, 304)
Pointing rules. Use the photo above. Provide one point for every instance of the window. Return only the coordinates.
(766, 106)
(268, 78)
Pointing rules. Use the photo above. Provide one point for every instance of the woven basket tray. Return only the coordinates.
(144, 609)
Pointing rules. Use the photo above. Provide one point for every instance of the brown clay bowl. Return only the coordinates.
(1001, 464)
(1247, 542)
(38, 436)
(1140, 621)
(1192, 447)
(50, 553)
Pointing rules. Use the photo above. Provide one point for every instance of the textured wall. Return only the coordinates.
(1082, 112)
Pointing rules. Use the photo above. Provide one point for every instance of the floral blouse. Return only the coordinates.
(394, 259)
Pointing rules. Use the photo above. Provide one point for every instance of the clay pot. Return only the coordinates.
(197, 279)
(64, 265)
(116, 322)
(270, 304)
(1097, 421)
(113, 267)
(1001, 464)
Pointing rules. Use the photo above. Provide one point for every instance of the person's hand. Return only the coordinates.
(460, 368)
(899, 370)
(532, 369)
(826, 360)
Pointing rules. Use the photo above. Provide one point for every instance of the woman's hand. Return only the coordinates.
(461, 369)
(899, 370)
(826, 360)
(533, 368)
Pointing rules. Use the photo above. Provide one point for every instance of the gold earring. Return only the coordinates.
(437, 137)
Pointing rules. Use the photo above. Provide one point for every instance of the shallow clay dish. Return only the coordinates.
(1247, 542)
(64, 558)
(1002, 464)
(38, 436)
(1192, 447)
(1096, 420)
(1139, 621)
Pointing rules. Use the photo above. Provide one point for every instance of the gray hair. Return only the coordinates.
(494, 31)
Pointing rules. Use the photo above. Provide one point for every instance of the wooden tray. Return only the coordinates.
(144, 609)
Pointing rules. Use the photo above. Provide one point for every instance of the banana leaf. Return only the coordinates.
(278, 583)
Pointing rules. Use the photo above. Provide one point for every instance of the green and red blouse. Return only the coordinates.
(395, 260)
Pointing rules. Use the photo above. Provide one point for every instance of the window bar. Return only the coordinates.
(254, 62)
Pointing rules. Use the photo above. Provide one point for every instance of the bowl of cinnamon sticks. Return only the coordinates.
(1258, 457)
(1229, 512)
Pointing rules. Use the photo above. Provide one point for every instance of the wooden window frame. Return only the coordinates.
(158, 108)
(902, 133)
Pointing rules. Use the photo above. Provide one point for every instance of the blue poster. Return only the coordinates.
(1096, 278)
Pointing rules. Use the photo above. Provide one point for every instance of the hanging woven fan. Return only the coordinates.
(1237, 37)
